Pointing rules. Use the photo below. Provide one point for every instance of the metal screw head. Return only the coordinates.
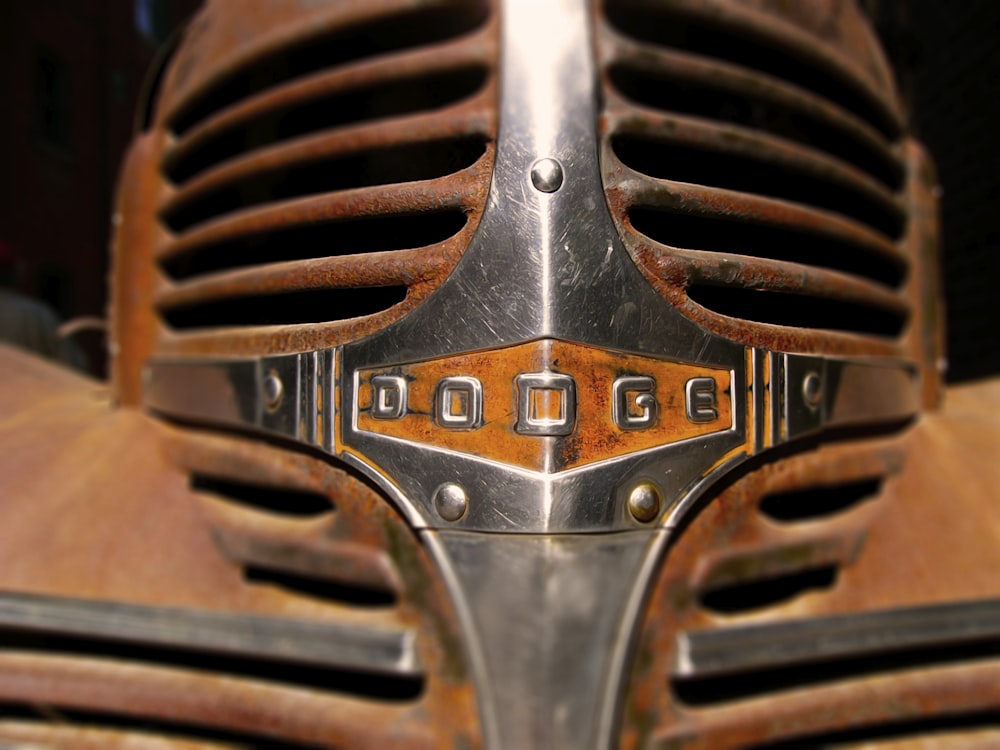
(644, 502)
(812, 389)
(547, 175)
(273, 391)
(450, 501)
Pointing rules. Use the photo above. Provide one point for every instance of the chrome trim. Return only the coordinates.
(747, 648)
(548, 622)
(529, 422)
(258, 637)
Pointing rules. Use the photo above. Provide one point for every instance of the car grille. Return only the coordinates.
(318, 621)
(757, 173)
(328, 173)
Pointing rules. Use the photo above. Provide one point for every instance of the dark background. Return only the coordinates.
(71, 73)
(70, 76)
(948, 64)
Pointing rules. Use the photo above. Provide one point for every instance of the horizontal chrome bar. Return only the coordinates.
(707, 653)
(262, 638)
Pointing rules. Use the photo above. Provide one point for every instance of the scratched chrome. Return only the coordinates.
(543, 265)
(548, 604)
(744, 648)
(279, 639)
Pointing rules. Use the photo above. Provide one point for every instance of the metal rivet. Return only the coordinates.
(273, 391)
(547, 175)
(450, 501)
(812, 389)
(644, 502)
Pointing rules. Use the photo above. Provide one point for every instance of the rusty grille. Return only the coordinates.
(789, 540)
(320, 179)
(756, 163)
(275, 535)
(756, 170)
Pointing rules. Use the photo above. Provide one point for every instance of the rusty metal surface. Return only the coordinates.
(900, 536)
(829, 35)
(133, 324)
(857, 155)
(33, 734)
(113, 506)
(925, 532)
(104, 512)
(238, 68)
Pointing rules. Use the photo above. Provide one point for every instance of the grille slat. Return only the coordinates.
(811, 717)
(254, 638)
(395, 270)
(792, 294)
(302, 168)
(690, 149)
(672, 80)
(824, 668)
(242, 655)
(334, 211)
(33, 732)
(365, 572)
(733, 206)
(262, 709)
(741, 34)
(754, 171)
(421, 147)
(753, 274)
(363, 91)
(242, 60)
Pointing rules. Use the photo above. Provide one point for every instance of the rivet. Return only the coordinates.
(644, 502)
(812, 389)
(273, 391)
(547, 175)
(450, 501)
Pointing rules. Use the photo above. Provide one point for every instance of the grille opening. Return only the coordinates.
(402, 96)
(818, 502)
(312, 306)
(152, 729)
(408, 163)
(386, 687)
(377, 37)
(936, 729)
(685, 163)
(704, 691)
(355, 236)
(766, 592)
(279, 500)
(712, 234)
(662, 93)
(705, 36)
(798, 311)
(322, 589)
